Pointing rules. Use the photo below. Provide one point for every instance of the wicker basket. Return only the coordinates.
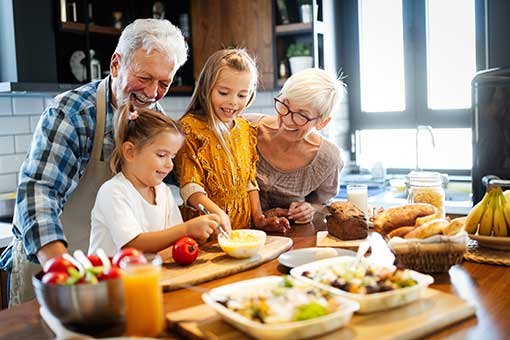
(433, 255)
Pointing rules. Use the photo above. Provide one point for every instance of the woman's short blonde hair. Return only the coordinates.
(314, 88)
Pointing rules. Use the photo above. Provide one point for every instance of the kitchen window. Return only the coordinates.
(411, 63)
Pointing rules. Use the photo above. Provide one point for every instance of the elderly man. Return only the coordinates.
(67, 162)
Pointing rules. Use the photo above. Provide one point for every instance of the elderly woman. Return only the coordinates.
(298, 169)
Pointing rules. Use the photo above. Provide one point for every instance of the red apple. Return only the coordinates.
(185, 250)
(59, 278)
(110, 274)
(95, 260)
(127, 252)
(58, 264)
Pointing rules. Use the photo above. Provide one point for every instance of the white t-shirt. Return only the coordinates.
(121, 213)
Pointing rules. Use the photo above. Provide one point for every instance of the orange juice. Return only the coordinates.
(143, 298)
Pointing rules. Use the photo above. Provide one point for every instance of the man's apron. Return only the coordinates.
(75, 217)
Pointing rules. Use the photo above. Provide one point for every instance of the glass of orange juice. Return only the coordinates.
(143, 297)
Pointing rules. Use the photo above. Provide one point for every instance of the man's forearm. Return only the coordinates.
(50, 250)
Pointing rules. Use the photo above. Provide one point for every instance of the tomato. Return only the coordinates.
(131, 252)
(185, 250)
(95, 260)
(58, 264)
(110, 274)
(59, 278)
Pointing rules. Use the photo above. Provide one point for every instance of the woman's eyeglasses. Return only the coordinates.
(298, 118)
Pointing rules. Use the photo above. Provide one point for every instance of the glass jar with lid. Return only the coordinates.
(426, 187)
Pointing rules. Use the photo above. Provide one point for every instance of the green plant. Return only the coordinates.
(298, 50)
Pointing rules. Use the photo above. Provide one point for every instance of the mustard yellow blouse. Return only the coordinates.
(203, 166)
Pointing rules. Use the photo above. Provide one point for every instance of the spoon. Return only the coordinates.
(220, 227)
(380, 253)
(362, 249)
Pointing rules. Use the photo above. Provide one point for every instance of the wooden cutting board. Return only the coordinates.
(434, 311)
(213, 263)
(324, 239)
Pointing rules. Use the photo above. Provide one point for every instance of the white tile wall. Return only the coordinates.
(19, 115)
(14, 125)
(5, 106)
(8, 183)
(6, 145)
(11, 163)
(27, 105)
(22, 143)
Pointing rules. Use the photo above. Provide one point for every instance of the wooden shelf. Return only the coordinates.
(293, 28)
(80, 27)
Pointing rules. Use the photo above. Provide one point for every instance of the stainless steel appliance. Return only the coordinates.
(491, 127)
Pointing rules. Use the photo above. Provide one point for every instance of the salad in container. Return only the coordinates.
(280, 307)
(373, 286)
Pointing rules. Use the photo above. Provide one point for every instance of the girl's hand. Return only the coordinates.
(280, 224)
(277, 212)
(224, 220)
(202, 227)
(301, 212)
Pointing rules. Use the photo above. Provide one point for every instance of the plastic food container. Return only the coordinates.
(368, 302)
(245, 242)
(289, 330)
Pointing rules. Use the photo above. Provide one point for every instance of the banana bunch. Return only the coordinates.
(491, 216)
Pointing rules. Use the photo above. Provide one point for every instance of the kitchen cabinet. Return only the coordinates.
(316, 31)
(219, 24)
(93, 27)
(50, 41)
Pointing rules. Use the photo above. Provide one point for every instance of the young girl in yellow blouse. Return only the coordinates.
(217, 163)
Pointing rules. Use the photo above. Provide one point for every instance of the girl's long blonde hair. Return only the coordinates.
(138, 126)
(236, 59)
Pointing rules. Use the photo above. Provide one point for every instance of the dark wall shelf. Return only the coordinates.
(81, 27)
(294, 28)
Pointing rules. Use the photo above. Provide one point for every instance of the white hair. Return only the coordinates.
(314, 88)
(150, 35)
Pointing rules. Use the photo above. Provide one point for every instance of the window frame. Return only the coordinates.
(415, 66)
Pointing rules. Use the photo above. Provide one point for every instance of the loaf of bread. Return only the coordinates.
(401, 232)
(456, 225)
(346, 221)
(425, 219)
(400, 216)
(428, 229)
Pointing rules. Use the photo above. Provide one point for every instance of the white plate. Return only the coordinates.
(494, 242)
(368, 302)
(287, 330)
(299, 257)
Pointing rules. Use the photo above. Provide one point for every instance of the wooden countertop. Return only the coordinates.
(483, 285)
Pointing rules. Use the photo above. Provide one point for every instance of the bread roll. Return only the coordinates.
(405, 215)
(400, 232)
(425, 219)
(456, 225)
(428, 229)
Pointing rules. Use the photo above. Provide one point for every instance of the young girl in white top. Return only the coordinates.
(135, 208)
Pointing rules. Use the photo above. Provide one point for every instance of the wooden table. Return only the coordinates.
(487, 286)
